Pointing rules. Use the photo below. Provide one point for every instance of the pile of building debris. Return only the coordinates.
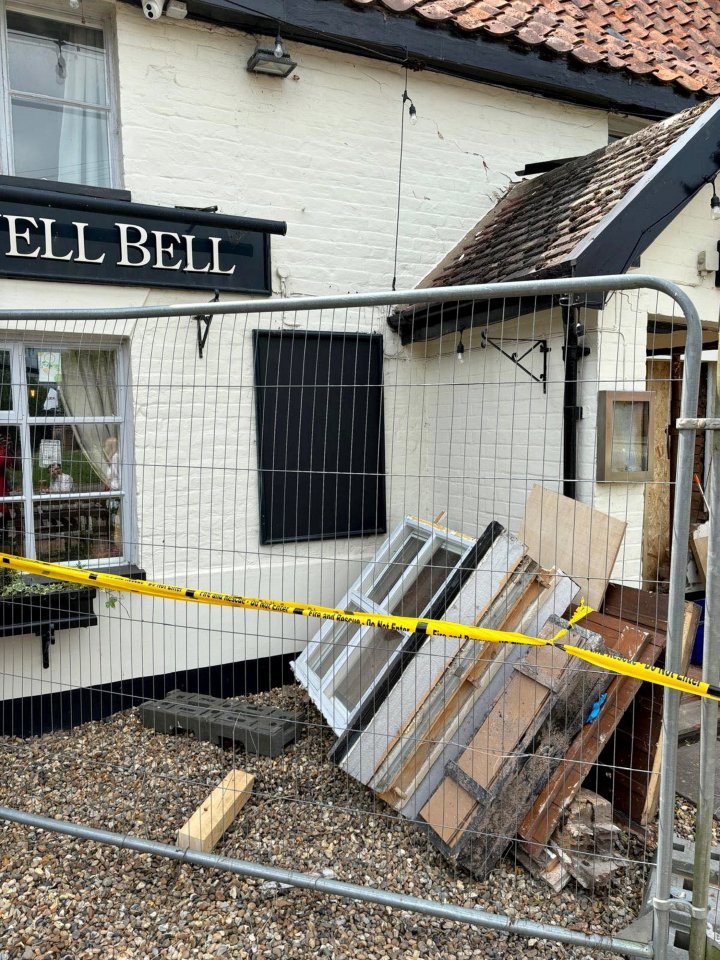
(489, 744)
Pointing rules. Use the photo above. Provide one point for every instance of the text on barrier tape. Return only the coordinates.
(431, 628)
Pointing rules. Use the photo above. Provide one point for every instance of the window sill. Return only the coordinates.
(128, 570)
(69, 189)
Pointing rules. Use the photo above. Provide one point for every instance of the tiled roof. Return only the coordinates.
(535, 227)
(674, 41)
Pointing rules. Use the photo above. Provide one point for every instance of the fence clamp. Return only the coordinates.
(697, 423)
(673, 903)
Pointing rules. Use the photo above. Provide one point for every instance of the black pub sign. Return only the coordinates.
(46, 235)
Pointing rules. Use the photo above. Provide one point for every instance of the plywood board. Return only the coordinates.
(505, 725)
(212, 818)
(657, 526)
(560, 532)
(700, 553)
(448, 809)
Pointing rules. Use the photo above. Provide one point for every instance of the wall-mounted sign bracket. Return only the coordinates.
(540, 345)
(203, 334)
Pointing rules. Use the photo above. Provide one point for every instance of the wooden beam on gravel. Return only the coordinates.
(212, 818)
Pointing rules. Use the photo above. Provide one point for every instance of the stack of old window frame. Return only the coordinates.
(479, 743)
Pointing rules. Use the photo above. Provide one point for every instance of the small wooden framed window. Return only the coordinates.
(624, 432)
(343, 663)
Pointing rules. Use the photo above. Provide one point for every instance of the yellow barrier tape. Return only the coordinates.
(444, 628)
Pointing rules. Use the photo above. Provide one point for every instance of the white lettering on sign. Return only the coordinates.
(14, 236)
(48, 254)
(126, 243)
(164, 250)
(161, 249)
(82, 256)
(190, 256)
(215, 268)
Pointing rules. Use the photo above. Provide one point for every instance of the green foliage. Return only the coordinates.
(14, 584)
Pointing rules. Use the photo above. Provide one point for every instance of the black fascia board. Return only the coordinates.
(403, 38)
(94, 204)
(441, 319)
(643, 217)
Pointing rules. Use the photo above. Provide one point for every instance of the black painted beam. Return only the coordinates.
(379, 34)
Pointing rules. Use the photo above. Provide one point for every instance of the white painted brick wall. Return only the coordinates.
(321, 151)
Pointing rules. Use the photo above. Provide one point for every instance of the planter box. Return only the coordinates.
(44, 613)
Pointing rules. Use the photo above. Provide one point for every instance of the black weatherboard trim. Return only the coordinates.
(380, 34)
(31, 716)
(437, 611)
(687, 167)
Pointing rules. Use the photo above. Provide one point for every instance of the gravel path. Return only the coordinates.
(61, 898)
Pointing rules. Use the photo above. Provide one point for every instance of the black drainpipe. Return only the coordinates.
(571, 412)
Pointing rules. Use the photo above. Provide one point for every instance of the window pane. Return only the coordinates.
(71, 383)
(630, 435)
(331, 645)
(388, 576)
(12, 529)
(75, 458)
(10, 462)
(366, 662)
(5, 381)
(73, 530)
(56, 59)
(429, 580)
(56, 142)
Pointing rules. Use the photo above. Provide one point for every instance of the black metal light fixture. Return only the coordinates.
(274, 60)
(714, 202)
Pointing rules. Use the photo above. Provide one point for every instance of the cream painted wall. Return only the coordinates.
(321, 151)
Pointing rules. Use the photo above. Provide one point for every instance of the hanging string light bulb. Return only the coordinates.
(61, 65)
(460, 351)
(278, 52)
(714, 202)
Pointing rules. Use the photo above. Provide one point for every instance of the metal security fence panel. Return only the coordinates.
(412, 541)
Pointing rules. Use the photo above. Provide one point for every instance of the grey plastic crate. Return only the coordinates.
(259, 730)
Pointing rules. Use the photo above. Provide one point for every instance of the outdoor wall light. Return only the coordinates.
(714, 203)
(625, 436)
(271, 60)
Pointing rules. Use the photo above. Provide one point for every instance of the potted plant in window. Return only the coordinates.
(30, 604)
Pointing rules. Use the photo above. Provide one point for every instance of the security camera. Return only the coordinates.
(153, 9)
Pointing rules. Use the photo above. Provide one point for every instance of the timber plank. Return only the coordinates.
(212, 818)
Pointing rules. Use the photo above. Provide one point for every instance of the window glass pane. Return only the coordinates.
(75, 458)
(56, 142)
(6, 402)
(388, 576)
(71, 383)
(331, 645)
(365, 663)
(630, 435)
(56, 59)
(417, 596)
(10, 462)
(12, 530)
(74, 530)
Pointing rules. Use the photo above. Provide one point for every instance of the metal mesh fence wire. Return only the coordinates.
(322, 454)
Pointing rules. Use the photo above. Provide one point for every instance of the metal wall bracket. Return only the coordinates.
(540, 345)
(47, 636)
(204, 318)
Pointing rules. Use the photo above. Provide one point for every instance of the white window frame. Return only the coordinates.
(20, 418)
(92, 14)
(320, 687)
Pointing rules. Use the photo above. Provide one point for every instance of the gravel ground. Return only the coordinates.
(69, 899)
